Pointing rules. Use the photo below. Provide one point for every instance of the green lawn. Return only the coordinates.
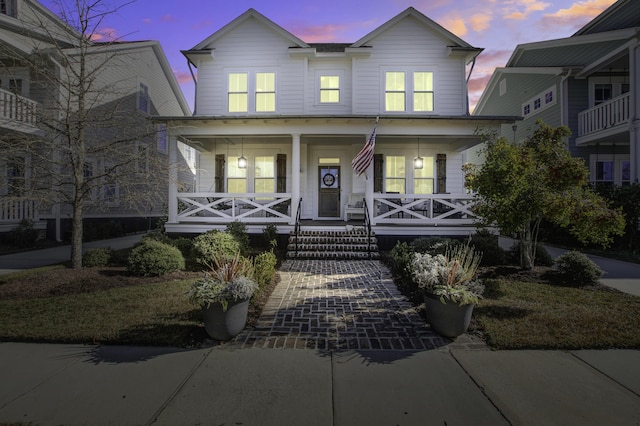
(525, 315)
(149, 314)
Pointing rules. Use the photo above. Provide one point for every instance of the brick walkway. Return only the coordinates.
(338, 305)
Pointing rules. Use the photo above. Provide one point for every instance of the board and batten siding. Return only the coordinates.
(251, 47)
(409, 46)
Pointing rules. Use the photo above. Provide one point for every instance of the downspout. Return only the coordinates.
(195, 90)
(565, 96)
(473, 64)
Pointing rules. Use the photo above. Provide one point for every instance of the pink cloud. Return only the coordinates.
(326, 33)
(168, 18)
(521, 9)
(454, 23)
(577, 15)
(202, 24)
(183, 77)
(105, 35)
(480, 21)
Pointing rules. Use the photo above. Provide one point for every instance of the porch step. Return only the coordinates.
(351, 244)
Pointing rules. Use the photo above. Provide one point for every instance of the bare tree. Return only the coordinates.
(95, 147)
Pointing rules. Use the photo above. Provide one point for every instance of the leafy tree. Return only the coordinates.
(519, 185)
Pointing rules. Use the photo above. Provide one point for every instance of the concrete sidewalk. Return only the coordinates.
(72, 384)
(51, 256)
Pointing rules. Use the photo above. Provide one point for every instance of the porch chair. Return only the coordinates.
(355, 205)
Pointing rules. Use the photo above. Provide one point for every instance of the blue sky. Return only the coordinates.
(495, 25)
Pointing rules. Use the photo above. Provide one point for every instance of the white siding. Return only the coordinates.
(409, 44)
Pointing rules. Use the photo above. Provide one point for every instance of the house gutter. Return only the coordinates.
(473, 64)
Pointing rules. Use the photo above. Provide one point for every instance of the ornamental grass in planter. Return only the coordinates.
(451, 288)
(224, 294)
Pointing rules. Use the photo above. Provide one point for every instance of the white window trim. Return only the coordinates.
(616, 86)
(251, 90)
(408, 88)
(543, 104)
(341, 87)
(617, 166)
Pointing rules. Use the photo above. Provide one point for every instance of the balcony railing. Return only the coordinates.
(604, 116)
(16, 108)
(17, 210)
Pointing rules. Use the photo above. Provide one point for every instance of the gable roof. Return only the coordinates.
(411, 12)
(251, 13)
(621, 14)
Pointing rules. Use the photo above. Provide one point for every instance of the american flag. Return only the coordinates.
(365, 156)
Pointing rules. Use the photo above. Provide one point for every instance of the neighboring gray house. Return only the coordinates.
(136, 81)
(278, 122)
(589, 82)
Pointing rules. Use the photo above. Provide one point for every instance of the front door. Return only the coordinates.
(329, 191)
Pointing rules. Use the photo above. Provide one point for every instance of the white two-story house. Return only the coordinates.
(130, 83)
(278, 121)
(589, 82)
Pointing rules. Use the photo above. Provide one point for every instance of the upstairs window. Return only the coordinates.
(8, 7)
(395, 92)
(265, 92)
(404, 90)
(540, 102)
(423, 91)
(329, 89)
(143, 98)
(238, 92)
(16, 176)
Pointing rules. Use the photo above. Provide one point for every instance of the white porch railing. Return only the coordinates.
(213, 207)
(418, 209)
(17, 108)
(17, 210)
(604, 116)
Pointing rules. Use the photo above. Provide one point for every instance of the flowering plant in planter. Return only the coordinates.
(451, 277)
(227, 282)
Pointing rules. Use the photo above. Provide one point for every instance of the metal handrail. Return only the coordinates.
(296, 226)
(367, 225)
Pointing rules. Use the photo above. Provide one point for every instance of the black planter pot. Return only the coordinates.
(224, 325)
(447, 319)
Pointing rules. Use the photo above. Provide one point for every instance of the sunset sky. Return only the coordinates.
(495, 25)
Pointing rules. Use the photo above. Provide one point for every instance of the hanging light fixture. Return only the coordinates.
(418, 162)
(242, 161)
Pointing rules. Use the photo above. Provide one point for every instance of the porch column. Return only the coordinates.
(173, 179)
(634, 110)
(295, 176)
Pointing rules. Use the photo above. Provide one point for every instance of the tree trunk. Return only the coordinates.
(76, 236)
(527, 246)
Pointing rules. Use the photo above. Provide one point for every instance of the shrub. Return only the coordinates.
(24, 236)
(154, 258)
(270, 235)
(97, 257)
(264, 268)
(487, 244)
(401, 255)
(239, 231)
(206, 245)
(432, 245)
(185, 245)
(576, 269)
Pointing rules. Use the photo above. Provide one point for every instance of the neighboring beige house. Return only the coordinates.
(278, 122)
(136, 81)
(589, 82)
